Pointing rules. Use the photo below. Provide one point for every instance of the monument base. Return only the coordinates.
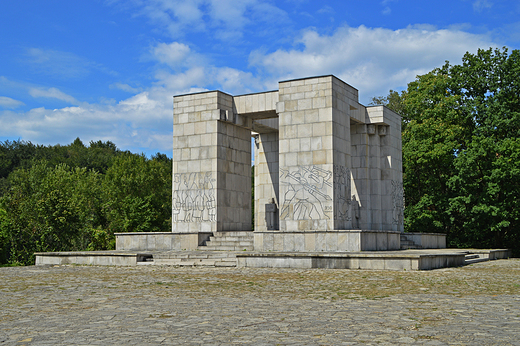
(160, 241)
(330, 241)
(427, 240)
(390, 260)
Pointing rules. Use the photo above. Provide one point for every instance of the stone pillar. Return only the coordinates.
(233, 178)
(315, 154)
(306, 156)
(266, 178)
(343, 98)
(360, 174)
(392, 193)
(211, 166)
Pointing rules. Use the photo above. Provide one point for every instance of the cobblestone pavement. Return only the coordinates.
(152, 305)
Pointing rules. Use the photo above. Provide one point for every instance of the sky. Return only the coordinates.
(108, 69)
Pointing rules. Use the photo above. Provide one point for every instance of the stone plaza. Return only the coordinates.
(162, 305)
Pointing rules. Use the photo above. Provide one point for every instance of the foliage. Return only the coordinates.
(138, 194)
(5, 249)
(48, 209)
(73, 197)
(392, 101)
(461, 148)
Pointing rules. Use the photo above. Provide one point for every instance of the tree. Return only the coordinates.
(50, 209)
(392, 101)
(5, 248)
(488, 170)
(138, 194)
(461, 148)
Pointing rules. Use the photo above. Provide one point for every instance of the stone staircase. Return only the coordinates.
(475, 258)
(229, 241)
(194, 259)
(407, 244)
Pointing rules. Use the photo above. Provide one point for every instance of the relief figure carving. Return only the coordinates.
(306, 192)
(398, 202)
(193, 197)
(342, 201)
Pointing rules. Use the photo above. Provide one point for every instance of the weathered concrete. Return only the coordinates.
(385, 260)
(324, 163)
(120, 258)
(160, 241)
(389, 260)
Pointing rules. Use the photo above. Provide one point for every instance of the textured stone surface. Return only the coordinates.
(75, 305)
(326, 162)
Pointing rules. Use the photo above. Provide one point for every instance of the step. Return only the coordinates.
(407, 244)
(233, 234)
(229, 238)
(214, 262)
(226, 248)
(229, 243)
(411, 247)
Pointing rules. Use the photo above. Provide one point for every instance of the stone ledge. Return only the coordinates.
(364, 260)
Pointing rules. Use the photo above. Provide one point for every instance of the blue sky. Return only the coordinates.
(107, 69)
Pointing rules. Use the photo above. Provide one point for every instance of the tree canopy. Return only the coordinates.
(461, 148)
(74, 197)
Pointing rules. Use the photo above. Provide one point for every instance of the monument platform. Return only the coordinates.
(423, 259)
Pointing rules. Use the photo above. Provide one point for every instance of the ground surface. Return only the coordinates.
(151, 305)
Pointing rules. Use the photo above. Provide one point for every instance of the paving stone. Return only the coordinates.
(164, 305)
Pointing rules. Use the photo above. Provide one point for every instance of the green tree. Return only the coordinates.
(5, 248)
(138, 194)
(393, 101)
(50, 209)
(461, 147)
(487, 177)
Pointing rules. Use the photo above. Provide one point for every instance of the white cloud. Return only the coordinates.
(57, 63)
(150, 119)
(479, 5)
(173, 54)
(373, 60)
(7, 102)
(326, 10)
(222, 19)
(52, 93)
(124, 87)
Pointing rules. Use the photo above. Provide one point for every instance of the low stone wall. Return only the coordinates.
(340, 240)
(89, 258)
(366, 261)
(428, 240)
(160, 241)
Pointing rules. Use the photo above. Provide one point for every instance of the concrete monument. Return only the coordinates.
(328, 173)
(328, 187)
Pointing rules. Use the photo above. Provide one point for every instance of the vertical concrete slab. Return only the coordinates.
(211, 165)
(266, 179)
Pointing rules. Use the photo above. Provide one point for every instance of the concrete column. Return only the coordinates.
(211, 166)
(233, 178)
(315, 154)
(373, 160)
(266, 179)
(387, 131)
(361, 176)
(392, 193)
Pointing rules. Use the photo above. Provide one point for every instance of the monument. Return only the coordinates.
(328, 173)
(328, 187)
